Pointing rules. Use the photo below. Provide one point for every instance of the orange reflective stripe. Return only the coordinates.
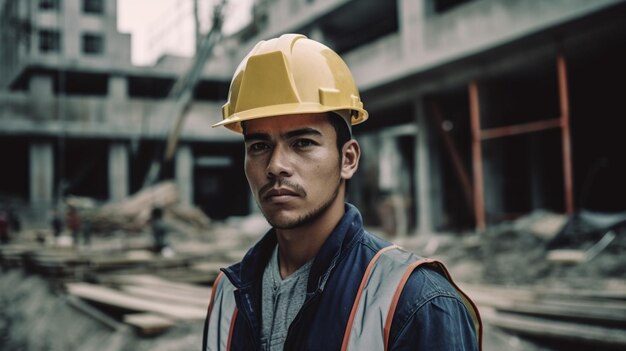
(232, 328)
(221, 314)
(346, 336)
(396, 296)
(213, 292)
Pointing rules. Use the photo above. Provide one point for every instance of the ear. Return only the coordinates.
(351, 152)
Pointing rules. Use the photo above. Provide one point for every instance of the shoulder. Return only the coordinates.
(430, 308)
(372, 242)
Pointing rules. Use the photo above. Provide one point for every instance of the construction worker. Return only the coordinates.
(317, 280)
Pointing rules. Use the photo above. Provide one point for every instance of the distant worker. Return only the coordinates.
(159, 230)
(73, 224)
(57, 224)
(15, 224)
(4, 228)
(317, 280)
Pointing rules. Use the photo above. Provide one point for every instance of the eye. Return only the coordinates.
(257, 147)
(303, 143)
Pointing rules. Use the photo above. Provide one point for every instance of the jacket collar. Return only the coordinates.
(348, 231)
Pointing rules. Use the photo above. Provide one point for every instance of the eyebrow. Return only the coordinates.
(288, 135)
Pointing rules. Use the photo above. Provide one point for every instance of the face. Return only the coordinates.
(294, 168)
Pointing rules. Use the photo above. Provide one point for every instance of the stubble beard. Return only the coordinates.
(309, 217)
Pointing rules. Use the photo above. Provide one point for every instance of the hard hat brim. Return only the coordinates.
(234, 121)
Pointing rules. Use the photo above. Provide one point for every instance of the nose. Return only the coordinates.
(278, 164)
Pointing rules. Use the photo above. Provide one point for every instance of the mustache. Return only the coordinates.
(281, 183)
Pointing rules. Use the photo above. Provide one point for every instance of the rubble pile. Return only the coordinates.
(133, 212)
(548, 277)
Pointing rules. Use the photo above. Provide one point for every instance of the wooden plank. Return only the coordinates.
(93, 312)
(210, 267)
(566, 256)
(148, 324)
(165, 296)
(605, 289)
(162, 284)
(572, 332)
(122, 300)
(529, 302)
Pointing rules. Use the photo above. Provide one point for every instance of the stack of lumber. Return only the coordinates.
(133, 213)
(596, 318)
(11, 255)
(68, 264)
(148, 303)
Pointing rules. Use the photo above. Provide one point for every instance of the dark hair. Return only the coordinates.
(341, 129)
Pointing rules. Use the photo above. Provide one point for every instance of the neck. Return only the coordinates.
(298, 245)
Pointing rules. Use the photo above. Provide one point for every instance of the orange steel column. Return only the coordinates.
(477, 158)
(565, 134)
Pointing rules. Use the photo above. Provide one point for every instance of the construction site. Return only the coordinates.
(494, 145)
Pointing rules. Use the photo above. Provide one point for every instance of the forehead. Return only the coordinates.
(281, 124)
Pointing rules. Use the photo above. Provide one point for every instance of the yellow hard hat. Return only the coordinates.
(291, 75)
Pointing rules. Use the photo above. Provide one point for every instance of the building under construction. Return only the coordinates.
(79, 119)
(481, 110)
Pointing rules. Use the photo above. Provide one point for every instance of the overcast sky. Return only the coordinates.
(166, 26)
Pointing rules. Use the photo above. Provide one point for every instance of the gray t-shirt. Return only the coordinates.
(281, 301)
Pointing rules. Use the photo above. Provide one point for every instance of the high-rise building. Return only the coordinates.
(77, 118)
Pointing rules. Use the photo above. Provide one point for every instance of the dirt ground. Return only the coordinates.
(34, 314)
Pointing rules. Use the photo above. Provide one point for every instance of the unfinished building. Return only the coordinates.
(77, 118)
(481, 110)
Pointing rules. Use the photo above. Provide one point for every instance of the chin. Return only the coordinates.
(281, 220)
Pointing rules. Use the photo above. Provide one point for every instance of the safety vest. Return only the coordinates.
(370, 320)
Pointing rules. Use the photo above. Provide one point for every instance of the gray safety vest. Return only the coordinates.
(372, 312)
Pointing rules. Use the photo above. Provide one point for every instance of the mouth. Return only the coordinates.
(279, 195)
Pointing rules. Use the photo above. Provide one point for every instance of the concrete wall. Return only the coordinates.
(20, 113)
(429, 40)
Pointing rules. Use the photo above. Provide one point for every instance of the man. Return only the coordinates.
(317, 280)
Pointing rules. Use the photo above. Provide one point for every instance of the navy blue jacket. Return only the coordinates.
(429, 316)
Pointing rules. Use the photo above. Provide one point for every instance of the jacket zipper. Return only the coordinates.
(298, 319)
(307, 303)
(248, 322)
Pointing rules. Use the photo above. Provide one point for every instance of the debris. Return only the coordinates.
(604, 338)
(585, 226)
(148, 324)
(542, 223)
(579, 256)
(121, 300)
(133, 212)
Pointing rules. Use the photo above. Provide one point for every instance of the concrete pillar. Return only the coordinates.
(184, 174)
(411, 15)
(118, 171)
(428, 195)
(41, 173)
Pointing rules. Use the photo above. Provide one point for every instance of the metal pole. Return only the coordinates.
(455, 156)
(565, 134)
(518, 129)
(477, 160)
